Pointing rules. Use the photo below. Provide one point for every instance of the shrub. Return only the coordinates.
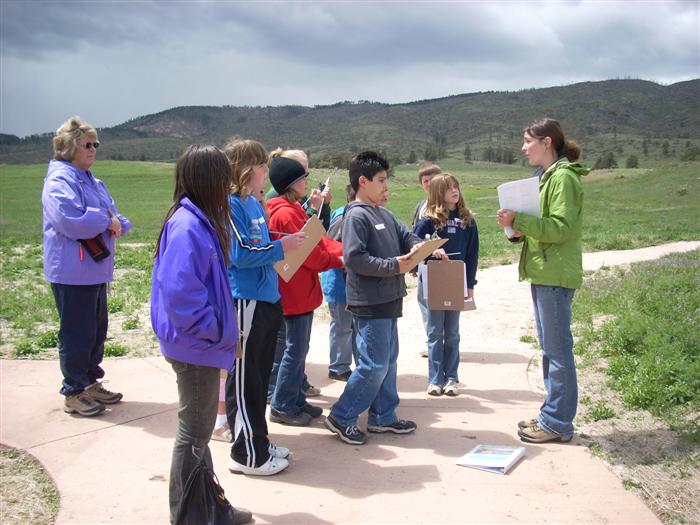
(48, 339)
(25, 348)
(115, 350)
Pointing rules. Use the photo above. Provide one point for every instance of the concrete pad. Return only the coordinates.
(114, 468)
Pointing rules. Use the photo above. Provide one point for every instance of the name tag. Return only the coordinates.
(451, 230)
(379, 226)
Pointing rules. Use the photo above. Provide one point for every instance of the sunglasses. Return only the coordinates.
(89, 145)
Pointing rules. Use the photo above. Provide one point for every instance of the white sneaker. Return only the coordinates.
(272, 466)
(278, 452)
(222, 433)
(451, 388)
(434, 390)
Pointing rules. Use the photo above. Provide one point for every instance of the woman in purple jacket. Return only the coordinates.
(192, 310)
(81, 223)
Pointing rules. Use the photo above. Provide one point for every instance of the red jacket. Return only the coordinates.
(302, 294)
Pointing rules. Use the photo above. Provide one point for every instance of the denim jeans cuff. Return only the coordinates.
(551, 430)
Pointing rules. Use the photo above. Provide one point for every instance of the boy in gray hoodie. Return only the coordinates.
(376, 248)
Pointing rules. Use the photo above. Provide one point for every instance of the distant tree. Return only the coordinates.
(645, 146)
(467, 153)
(632, 162)
(412, 157)
(142, 157)
(606, 161)
(664, 148)
(431, 153)
(488, 155)
(691, 152)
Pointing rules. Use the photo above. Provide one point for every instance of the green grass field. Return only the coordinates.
(623, 209)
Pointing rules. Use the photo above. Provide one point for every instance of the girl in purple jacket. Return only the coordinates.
(192, 311)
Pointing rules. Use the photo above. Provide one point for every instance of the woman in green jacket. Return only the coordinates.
(551, 261)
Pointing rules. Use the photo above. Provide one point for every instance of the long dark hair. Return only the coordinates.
(547, 127)
(203, 175)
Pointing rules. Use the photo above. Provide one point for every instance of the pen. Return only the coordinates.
(279, 233)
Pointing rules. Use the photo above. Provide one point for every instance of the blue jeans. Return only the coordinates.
(277, 359)
(341, 340)
(372, 384)
(553, 320)
(82, 313)
(198, 394)
(289, 397)
(422, 303)
(443, 346)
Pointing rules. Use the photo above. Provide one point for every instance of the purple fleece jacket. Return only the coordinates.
(192, 311)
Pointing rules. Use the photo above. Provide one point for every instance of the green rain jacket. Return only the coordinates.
(551, 252)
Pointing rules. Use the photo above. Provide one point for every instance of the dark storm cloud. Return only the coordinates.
(134, 57)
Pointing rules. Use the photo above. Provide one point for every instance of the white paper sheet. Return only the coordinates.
(522, 196)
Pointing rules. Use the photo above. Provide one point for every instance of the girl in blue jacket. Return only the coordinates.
(449, 218)
(255, 290)
(192, 311)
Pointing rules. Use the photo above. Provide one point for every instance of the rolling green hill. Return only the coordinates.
(622, 116)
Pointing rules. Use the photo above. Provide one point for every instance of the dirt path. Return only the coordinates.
(391, 479)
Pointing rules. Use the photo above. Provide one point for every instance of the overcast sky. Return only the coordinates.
(111, 61)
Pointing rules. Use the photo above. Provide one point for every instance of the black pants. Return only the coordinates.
(82, 310)
(246, 388)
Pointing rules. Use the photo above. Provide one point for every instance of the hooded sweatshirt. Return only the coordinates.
(372, 239)
(76, 206)
(551, 253)
(302, 294)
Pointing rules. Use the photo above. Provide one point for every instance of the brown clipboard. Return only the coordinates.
(446, 284)
(425, 249)
(287, 267)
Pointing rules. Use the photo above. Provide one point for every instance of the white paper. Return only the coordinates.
(521, 196)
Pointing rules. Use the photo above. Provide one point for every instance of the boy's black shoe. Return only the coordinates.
(312, 410)
(400, 426)
(342, 376)
(300, 419)
(351, 435)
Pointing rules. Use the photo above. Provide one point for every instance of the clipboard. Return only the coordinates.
(425, 249)
(445, 285)
(287, 267)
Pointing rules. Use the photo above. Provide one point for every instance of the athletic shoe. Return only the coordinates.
(312, 410)
(300, 419)
(278, 452)
(339, 376)
(222, 433)
(434, 390)
(272, 466)
(102, 395)
(451, 388)
(312, 391)
(82, 404)
(351, 435)
(400, 426)
(536, 434)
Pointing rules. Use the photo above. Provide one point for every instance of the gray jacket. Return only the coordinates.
(372, 239)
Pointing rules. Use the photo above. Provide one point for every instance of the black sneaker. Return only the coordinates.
(241, 516)
(342, 376)
(294, 420)
(351, 435)
(312, 410)
(400, 426)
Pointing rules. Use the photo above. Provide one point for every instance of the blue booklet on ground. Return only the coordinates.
(492, 458)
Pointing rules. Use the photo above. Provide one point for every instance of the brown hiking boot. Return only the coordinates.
(524, 423)
(536, 434)
(102, 395)
(83, 404)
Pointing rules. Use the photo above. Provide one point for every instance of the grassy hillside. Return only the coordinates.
(623, 116)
